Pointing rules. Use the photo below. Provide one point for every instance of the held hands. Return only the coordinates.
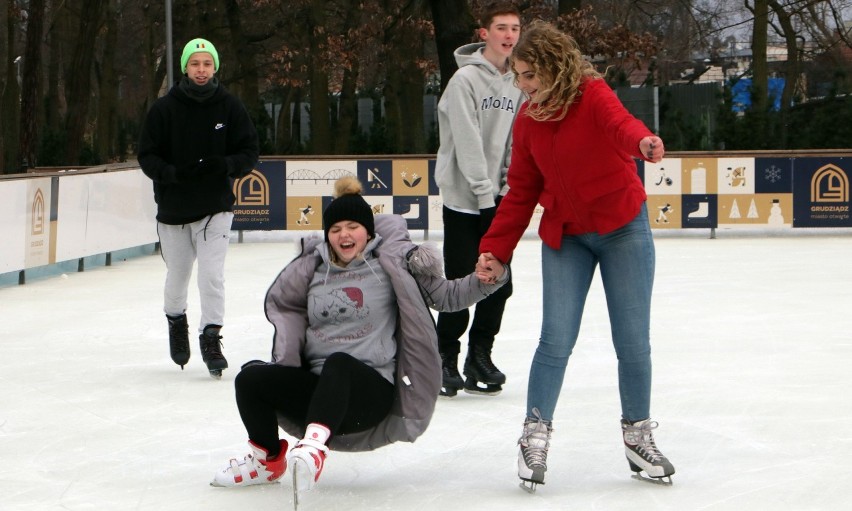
(652, 148)
(488, 268)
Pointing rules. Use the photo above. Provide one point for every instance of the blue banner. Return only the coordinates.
(821, 192)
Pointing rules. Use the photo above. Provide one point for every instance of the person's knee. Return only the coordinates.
(339, 359)
(638, 357)
(248, 375)
(553, 353)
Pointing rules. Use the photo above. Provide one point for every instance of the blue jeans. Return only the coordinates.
(626, 259)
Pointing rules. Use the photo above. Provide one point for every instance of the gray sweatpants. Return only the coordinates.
(207, 240)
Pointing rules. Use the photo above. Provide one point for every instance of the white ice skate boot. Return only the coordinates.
(307, 458)
(254, 468)
(532, 454)
(642, 453)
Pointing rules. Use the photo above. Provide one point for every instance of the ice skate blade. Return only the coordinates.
(448, 392)
(490, 389)
(529, 486)
(295, 489)
(302, 478)
(216, 374)
(662, 481)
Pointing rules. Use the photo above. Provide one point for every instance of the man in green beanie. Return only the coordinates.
(196, 141)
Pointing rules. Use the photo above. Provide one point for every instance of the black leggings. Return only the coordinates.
(462, 233)
(349, 396)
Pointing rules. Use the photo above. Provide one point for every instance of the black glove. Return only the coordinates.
(213, 166)
(186, 173)
(486, 216)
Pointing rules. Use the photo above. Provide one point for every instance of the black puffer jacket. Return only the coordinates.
(179, 131)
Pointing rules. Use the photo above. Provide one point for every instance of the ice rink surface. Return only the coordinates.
(752, 347)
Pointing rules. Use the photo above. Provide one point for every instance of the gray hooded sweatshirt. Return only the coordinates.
(351, 309)
(475, 117)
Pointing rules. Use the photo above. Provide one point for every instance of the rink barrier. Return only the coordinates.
(55, 215)
(79, 216)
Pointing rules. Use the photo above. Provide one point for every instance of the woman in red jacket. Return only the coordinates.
(573, 153)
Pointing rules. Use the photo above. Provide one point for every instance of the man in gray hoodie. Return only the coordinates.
(475, 117)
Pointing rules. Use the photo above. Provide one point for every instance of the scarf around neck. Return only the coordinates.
(197, 92)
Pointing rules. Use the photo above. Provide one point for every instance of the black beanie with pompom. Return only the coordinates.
(348, 205)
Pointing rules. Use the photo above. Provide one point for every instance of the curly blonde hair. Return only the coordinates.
(555, 59)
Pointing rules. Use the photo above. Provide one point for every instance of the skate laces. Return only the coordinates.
(450, 366)
(211, 346)
(641, 436)
(178, 331)
(535, 440)
(483, 359)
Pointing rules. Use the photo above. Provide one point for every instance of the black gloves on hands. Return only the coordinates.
(213, 166)
(486, 216)
(208, 168)
(186, 173)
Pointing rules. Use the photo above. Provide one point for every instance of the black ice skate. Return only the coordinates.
(532, 452)
(178, 339)
(452, 380)
(478, 368)
(643, 455)
(211, 350)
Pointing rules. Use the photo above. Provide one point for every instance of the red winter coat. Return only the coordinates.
(580, 169)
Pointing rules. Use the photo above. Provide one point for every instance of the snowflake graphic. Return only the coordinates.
(772, 174)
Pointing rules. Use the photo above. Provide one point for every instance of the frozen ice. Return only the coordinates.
(752, 340)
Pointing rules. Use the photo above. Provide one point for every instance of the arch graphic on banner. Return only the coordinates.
(830, 184)
(37, 227)
(311, 175)
(252, 190)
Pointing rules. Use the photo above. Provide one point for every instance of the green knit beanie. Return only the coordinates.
(196, 46)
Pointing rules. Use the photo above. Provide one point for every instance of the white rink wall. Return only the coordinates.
(56, 218)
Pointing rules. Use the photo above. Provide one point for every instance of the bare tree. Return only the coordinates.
(569, 6)
(791, 68)
(80, 79)
(11, 95)
(348, 45)
(406, 30)
(106, 135)
(760, 76)
(30, 90)
(454, 26)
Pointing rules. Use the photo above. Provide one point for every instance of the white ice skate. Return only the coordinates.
(532, 453)
(254, 468)
(306, 462)
(643, 455)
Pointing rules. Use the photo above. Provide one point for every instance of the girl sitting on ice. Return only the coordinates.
(355, 362)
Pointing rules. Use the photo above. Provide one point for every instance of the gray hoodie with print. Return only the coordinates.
(415, 275)
(475, 117)
(348, 311)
